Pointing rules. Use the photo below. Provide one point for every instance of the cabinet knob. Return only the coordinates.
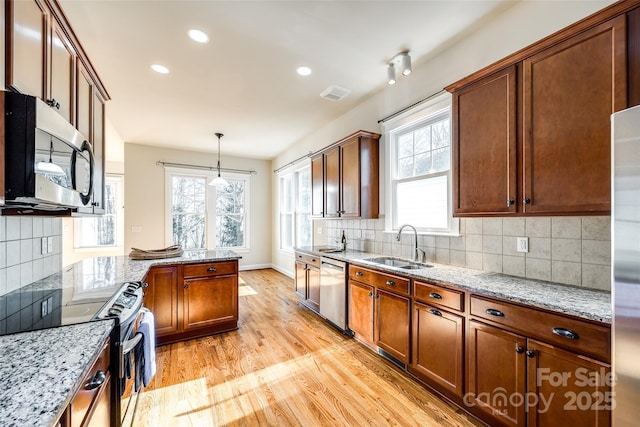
(186, 286)
(212, 269)
(526, 201)
(97, 380)
(435, 312)
(435, 295)
(359, 273)
(391, 283)
(565, 333)
(377, 296)
(53, 103)
(519, 349)
(370, 294)
(510, 202)
(494, 312)
(531, 354)
(341, 212)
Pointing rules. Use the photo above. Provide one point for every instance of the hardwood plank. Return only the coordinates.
(284, 366)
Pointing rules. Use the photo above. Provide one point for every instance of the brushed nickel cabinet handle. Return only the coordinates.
(212, 269)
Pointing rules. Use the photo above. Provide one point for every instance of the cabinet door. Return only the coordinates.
(496, 364)
(569, 387)
(484, 146)
(569, 93)
(332, 183)
(301, 280)
(26, 36)
(438, 342)
(62, 73)
(313, 287)
(361, 310)
(101, 412)
(84, 102)
(317, 186)
(98, 143)
(210, 301)
(161, 297)
(392, 324)
(350, 179)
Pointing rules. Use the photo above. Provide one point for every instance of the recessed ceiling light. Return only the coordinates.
(198, 36)
(303, 71)
(160, 69)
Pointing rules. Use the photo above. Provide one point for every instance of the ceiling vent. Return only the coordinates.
(335, 93)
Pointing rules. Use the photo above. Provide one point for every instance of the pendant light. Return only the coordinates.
(49, 168)
(219, 181)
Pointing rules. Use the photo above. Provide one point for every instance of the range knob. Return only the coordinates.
(114, 312)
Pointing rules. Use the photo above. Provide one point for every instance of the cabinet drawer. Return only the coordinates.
(379, 280)
(309, 259)
(90, 390)
(583, 337)
(210, 269)
(433, 294)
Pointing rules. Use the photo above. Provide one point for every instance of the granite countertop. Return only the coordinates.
(39, 374)
(587, 303)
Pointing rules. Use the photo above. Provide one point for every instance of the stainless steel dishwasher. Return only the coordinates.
(333, 292)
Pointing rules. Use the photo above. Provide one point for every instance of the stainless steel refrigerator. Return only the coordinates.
(625, 228)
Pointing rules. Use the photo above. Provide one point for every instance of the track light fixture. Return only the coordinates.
(401, 61)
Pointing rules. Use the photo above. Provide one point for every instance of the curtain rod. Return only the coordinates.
(397, 113)
(210, 168)
(293, 162)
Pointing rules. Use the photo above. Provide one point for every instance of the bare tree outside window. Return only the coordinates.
(230, 210)
(189, 212)
(91, 232)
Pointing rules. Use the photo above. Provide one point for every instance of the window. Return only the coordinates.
(107, 230)
(419, 184)
(295, 208)
(201, 216)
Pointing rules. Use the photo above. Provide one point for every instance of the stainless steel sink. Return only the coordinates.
(329, 250)
(398, 263)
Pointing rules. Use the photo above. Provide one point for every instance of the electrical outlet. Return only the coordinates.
(49, 304)
(49, 245)
(43, 246)
(522, 244)
(44, 308)
(319, 231)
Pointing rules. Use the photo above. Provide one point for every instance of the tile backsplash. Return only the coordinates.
(570, 250)
(21, 258)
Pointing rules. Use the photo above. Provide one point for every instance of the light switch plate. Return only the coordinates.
(522, 244)
(44, 308)
(43, 246)
(49, 245)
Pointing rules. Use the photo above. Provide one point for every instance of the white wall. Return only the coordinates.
(145, 198)
(517, 27)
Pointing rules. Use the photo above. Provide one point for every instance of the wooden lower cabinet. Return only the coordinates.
(307, 280)
(438, 347)
(192, 300)
(524, 382)
(361, 311)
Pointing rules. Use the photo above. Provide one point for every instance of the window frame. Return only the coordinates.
(210, 207)
(118, 181)
(430, 111)
(293, 173)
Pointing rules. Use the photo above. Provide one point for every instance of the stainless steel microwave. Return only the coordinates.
(48, 164)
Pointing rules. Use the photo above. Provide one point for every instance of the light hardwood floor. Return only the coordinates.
(284, 366)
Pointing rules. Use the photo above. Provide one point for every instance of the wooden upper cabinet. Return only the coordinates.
(569, 92)
(26, 32)
(98, 144)
(350, 175)
(84, 102)
(317, 186)
(62, 76)
(485, 144)
(332, 183)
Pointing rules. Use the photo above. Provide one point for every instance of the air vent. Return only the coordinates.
(335, 93)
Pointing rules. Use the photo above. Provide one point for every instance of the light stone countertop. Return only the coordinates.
(582, 302)
(40, 371)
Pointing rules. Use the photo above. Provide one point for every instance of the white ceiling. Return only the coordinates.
(243, 81)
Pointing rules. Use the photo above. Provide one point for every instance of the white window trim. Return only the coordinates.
(287, 171)
(119, 181)
(430, 108)
(210, 206)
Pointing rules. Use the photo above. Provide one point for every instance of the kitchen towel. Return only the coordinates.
(147, 329)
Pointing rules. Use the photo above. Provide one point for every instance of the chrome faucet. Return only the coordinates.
(416, 250)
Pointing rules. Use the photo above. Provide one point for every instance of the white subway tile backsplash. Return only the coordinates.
(13, 253)
(566, 250)
(492, 262)
(457, 258)
(3, 229)
(47, 227)
(3, 281)
(442, 256)
(474, 242)
(13, 228)
(474, 260)
(596, 228)
(26, 250)
(596, 252)
(492, 226)
(513, 266)
(492, 244)
(38, 227)
(3, 255)
(509, 247)
(13, 278)
(473, 225)
(457, 243)
(26, 227)
(566, 227)
(513, 226)
(26, 273)
(538, 227)
(442, 242)
(596, 276)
